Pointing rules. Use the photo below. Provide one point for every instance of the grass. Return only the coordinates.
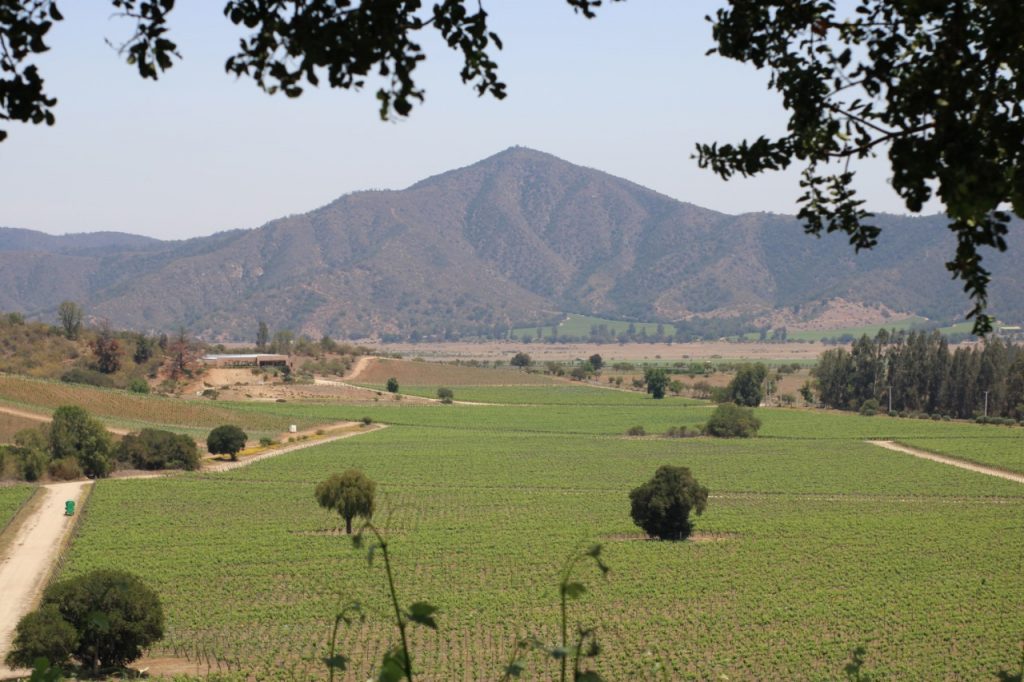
(825, 543)
(579, 325)
(1005, 452)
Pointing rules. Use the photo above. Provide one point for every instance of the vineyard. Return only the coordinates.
(379, 370)
(1004, 453)
(813, 543)
(132, 410)
(11, 499)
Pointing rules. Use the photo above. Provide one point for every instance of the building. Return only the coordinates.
(227, 360)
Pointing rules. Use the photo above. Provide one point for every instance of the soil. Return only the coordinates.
(952, 461)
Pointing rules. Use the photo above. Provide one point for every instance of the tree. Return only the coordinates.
(180, 352)
(746, 387)
(114, 613)
(262, 336)
(732, 421)
(42, 633)
(520, 360)
(662, 506)
(445, 395)
(145, 348)
(596, 361)
(350, 494)
(157, 449)
(853, 77)
(107, 350)
(657, 380)
(226, 439)
(392, 385)
(69, 313)
(73, 433)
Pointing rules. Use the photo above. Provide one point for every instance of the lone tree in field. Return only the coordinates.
(104, 619)
(732, 421)
(350, 494)
(662, 506)
(657, 381)
(226, 440)
(596, 361)
(392, 385)
(521, 359)
(445, 395)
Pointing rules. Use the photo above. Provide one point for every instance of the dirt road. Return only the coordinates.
(952, 461)
(357, 368)
(35, 416)
(26, 563)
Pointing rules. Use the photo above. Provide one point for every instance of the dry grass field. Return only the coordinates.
(377, 372)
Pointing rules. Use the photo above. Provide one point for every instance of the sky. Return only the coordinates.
(630, 93)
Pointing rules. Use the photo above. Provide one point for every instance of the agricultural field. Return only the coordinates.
(814, 542)
(1006, 452)
(379, 370)
(132, 410)
(579, 325)
(10, 424)
(11, 499)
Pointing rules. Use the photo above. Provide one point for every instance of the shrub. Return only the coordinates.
(226, 440)
(445, 395)
(90, 377)
(65, 469)
(676, 432)
(367, 421)
(636, 431)
(392, 385)
(138, 385)
(73, 433)
(869, 408)
(157, 449)
(732, 421)
(266, 442)
(662, 506)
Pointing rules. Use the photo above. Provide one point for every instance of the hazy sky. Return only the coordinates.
(198, 152)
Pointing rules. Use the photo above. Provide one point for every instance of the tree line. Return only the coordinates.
(917, 372)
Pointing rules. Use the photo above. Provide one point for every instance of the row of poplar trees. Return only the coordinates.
(925, 376)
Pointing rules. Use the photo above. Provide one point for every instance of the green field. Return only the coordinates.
(11, 499)
(1005, 453)
(579, 325)
(814, 542)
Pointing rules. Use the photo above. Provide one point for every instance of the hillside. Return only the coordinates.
(514, 239)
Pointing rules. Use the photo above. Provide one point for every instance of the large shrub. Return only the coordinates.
(73, 433)
(662, 506)
(157, 449)
(104, 619)
(732, 421)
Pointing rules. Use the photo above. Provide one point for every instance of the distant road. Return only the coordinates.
(952, 461)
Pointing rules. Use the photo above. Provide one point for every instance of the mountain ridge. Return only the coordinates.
(509, 240)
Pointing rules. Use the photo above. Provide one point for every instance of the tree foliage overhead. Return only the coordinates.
(936, 85)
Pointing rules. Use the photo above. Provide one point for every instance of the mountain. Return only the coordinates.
(513, 239)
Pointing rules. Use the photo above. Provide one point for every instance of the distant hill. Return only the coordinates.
(511, 240)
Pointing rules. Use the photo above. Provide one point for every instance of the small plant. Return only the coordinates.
(445, 395)
(392, 385)
(366, 421)
(266, 442)
(869, 408)
(636, 431)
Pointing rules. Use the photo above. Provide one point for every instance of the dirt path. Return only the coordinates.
(35, 416)
(26, 563)
(359, 367)
(228, 466)
(952, 461)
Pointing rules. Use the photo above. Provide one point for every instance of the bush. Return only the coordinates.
(42, 633)
(676, 432)
(73, 433)
(226, 440)
(732, 421)
(65, 469)
(445, 395)
(869, 408)
(138, 385)
(156, 449)
(636, 431)
(392, 385)
(90, 377)
(367, 421)
(662, 506)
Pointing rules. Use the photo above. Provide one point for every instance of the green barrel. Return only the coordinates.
(69, 508)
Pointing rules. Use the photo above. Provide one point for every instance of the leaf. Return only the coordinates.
(423, 613)
(573, 590)
(392, 668)
(338, 662)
